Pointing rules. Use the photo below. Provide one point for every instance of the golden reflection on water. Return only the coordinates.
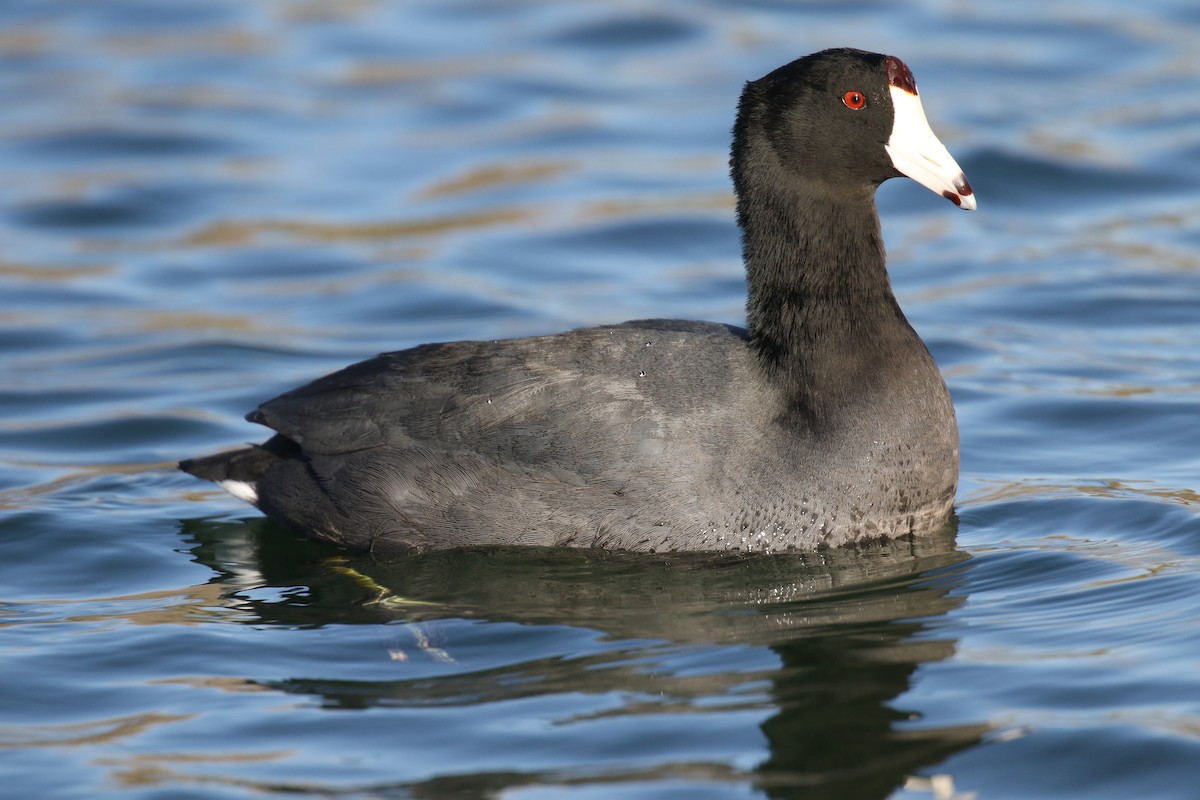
(156, 769)
(227, 233)
(48, 273)
(497, 175)
(1022, 490)
(80, 474)
(75, 734)
(166, 42)
(236, 232)
(23, 43)
(633, 207)
(222, 683)
(186, 605)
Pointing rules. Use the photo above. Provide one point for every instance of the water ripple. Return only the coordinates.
(207, 203)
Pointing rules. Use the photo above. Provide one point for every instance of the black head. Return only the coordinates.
(842, 120)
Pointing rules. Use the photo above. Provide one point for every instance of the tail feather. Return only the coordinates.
(245, 465)
(238, 471)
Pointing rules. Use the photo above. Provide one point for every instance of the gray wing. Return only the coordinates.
(541, 440)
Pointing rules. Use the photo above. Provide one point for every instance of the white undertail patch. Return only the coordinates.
(241, 490)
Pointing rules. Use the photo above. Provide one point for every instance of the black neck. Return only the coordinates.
(823, 320)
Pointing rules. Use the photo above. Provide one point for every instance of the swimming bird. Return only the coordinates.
(823, 422)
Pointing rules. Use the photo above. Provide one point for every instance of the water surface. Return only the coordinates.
(205, 203)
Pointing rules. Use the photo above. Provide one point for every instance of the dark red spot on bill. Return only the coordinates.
(962, 189)
(899, 75)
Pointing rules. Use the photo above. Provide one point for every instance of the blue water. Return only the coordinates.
(206, 202)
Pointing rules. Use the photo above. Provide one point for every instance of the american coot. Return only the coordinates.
(823, 422)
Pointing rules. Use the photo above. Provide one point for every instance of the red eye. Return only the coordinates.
(855, 100)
